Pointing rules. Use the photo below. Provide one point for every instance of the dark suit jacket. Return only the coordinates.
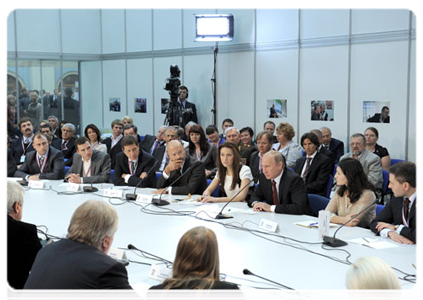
(292, 194)
(392, 214)
(54, 169)
(376, 119)
(220, 291)
(22, 247)
(158, 155)
(317, 175)
(100, 167)
(67, 153)
(148, 142)
(68, 264)
(112, 151)
(337, 148)
(254, 163)
(18, 151)
(188, 116)
(193, 182)
(11, 163)
(145, 163)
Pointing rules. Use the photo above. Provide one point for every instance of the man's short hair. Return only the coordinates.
(39, 135)
(267, 134)
(52, 116)
(15, 193)
(359, 135)
(211, 129)
(80, 141)
(404, 171)
(190, 123)
(91, 222)
(179, 131)
(117, 122)
(47, 125)
(128, 140)
(269, 122)
(318, 133)
(277, 157)
(312, 137)
(231, 128)
(228, 120)
(129, 126)
(24, 120)
(71, 126)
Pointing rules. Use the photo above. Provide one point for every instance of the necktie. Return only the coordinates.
(275, 193)
(154, 146)
(406, 206)
(306, 169)
(41, 163)
(63, 145)
(132, 168)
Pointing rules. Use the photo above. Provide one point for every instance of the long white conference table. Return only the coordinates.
(292, 256)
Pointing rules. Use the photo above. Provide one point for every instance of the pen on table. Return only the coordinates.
(366, 240)
(315, 223)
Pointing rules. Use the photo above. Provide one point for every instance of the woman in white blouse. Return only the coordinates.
(93, 134)
(231, 177)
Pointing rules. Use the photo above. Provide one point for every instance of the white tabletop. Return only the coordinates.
(294, 266)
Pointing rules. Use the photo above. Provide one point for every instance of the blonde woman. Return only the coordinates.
(286, 146)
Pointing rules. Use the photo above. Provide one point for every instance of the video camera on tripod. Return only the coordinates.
(172, 85)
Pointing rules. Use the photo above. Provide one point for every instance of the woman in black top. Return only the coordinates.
(372, 135)
(196, 263)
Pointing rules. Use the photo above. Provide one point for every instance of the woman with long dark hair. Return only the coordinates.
(196, 264)
(93, 134)
(353, 194)
(231, 176)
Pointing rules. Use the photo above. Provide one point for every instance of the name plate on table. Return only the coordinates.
(35, 184)
(160, 272)
(268, 225)
(119, 255)
(111, 193)
(73, 187)
(147, 199)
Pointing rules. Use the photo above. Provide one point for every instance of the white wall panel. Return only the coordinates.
(235, 88)
(140, 85)
(316, 23)
(81, 31)
(412, 133)
(197, 77)
(243, 25)
(113, 30)
(91, 102)
(379, 73)
(274, 25)
(413, 25)
(379, 20)
(114, 86)
(36, 36)
(11, 31)
(167, 25)
(277, 78)
(139, 30)
(323, 77)
(189, 27)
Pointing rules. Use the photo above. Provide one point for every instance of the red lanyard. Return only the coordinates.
(44, 163)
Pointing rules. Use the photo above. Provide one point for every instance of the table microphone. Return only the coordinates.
(160, 202)
(248, 272)
(90, 189)
(334, 242)
(134, 195)
(222, 216)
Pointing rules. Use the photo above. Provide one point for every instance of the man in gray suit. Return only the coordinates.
(370, 162)
(89, 166)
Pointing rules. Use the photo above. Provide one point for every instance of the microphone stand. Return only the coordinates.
(90, 189)
(134, 195)
(248, 272)
(220, 215)
(160, 202)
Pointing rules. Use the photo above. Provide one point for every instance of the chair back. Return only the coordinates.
(329, 186)
(317, 203)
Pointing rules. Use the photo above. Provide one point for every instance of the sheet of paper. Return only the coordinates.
(374, 243)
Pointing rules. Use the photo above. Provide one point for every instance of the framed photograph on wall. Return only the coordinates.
(276, 108)
(376, 112)
(140, 105)
(114, 104)
(322, 110)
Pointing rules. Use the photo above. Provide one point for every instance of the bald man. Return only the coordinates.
(334, 145)
(192, 182)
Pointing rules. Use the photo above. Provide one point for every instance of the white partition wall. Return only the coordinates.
(113, 30)
(92, 101)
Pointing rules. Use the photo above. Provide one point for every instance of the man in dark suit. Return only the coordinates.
(270, 126)
(133, 165)
(279, 190)
(11, 164)
(193, 182)
(54, 122)
(314, 168)
(88, 166)
(20, 147)
(47, 130)
(226, 123)
(188, 109)
(45, 162)
(383, 117)
(151, 142)
(66, 144)
(113, 142)
(397, 220)
(334, 145)
(264, 145)
(160, 153)
(22, 240)
(80, 261)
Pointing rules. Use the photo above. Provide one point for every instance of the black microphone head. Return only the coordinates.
(132, 247)
(247, 272)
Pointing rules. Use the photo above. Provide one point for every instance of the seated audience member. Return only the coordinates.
(179, 135)
(88, 165)
(371, 273)
(92, 133)
(80, 260)
(332, 144)
(47, 130)
(54, 122)
(397, 220)
(369, 161)
(192, 182)
(113, 142)
(246, 135)
(22, 239)
(225, 125)
(314, 168)
(131, 129)
(270, 126)
(133, 164)
(11, 164)
(160, 153)
(286, 146)
(23, 145)
(45, 162)
(322, 149)
(372, 135)
(188, 126)
(201, 150)
(383, 117)
(353, 194)
(127, 120)
(279, 189)
(196, 264)
(66, 144)
(213, 135)
(231, 176)
(151, 142)
(233, 136)
(264, 145)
